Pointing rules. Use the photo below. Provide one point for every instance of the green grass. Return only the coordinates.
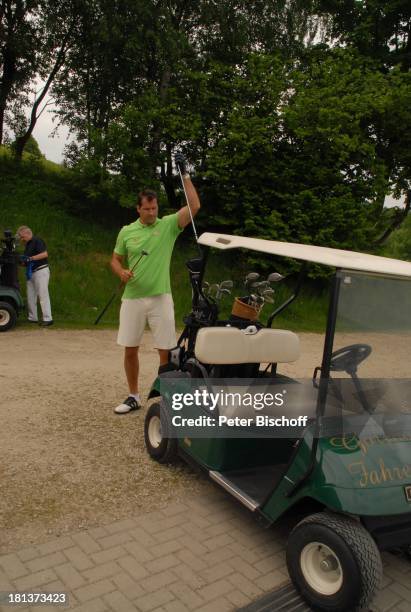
(81, 281)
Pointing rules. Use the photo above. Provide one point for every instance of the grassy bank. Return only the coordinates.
(81, 281)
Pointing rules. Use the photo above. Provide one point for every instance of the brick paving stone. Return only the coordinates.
(86, 542)
(12, 566)
(95, 605)
(175, 606)
(402, 592)
(95, 590)
(195, 547)
(166, 548)
(217, 589)
(160, 580)
(238, 599)
(154, 600)
(199, 535)
(5, 584)
(397, 576)
(162, 563)
(139, 552)
(218, 605)
(247, 555)
(193, 579)
(117, 601)
(196, 563)
(45, 562)
(272, 580)
(217, 556)
(110, 554)
(218, 542)
(27, 554)
(78, 558)
(116, 539)
(403, 607)
(245, 586)
(142, 537)
(175, 508)
(55, 545)
(238, 564)
(35, 580)
(151, 521)
(105, 570)
(98, 532)
(199, 521)
(133, 567)
(169, 534)
(270, 563)
(122, 525)
(384, 600)
(128, 586)
(218, 529)
(188, 596)
(69, 575)
(58, 587)
(217, 572)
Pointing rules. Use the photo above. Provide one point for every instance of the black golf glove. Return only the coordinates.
(181, 162)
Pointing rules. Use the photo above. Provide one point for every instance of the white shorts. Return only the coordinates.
(157, 311)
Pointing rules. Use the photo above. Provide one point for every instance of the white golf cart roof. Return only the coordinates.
(348, 260)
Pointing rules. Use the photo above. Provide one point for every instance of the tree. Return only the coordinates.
(36, 35)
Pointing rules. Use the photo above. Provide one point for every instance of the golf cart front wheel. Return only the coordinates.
(8, 316)
(333, 562)
(160, 447)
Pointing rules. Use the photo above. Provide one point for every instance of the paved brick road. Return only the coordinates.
(207, 554)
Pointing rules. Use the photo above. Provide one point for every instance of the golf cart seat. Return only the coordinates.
(226, 345)
(229, 346)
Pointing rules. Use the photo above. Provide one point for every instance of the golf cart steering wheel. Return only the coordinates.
(348, 358)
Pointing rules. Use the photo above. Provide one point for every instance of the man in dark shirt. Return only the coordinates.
(38, 274)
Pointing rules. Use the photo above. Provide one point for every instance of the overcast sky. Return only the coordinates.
(51, 147)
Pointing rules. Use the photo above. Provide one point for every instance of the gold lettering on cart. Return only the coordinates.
(353, 443)
(382, 473)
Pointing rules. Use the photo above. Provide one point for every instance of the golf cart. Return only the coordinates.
(350, 462)
(11, 302)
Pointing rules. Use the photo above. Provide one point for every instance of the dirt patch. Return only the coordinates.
(67, 461)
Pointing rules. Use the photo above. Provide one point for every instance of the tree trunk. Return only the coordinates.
(397, 221)
(22, 140)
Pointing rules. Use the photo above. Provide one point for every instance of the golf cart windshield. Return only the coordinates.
(370, 365)
(374, 312)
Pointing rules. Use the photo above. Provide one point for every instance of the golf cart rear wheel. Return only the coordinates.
(8, 316)
(333, 562)
(156, 424)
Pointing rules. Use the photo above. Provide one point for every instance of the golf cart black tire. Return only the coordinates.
(167, 450)
(356, 551)
(5, 307)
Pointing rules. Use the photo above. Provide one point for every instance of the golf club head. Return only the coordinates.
(274, 277)
(227, 284)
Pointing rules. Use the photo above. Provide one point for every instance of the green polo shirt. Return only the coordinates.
(152, 273)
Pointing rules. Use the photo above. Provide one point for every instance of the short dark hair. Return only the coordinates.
(148, 194)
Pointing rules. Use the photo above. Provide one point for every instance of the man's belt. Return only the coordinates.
(40, 268)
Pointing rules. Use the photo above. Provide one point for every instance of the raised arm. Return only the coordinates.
(192, 196)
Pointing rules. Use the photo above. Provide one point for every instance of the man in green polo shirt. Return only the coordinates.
(147, 296)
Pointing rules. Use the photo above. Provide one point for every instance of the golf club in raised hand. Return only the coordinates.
(180, 164)
(119, 288)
